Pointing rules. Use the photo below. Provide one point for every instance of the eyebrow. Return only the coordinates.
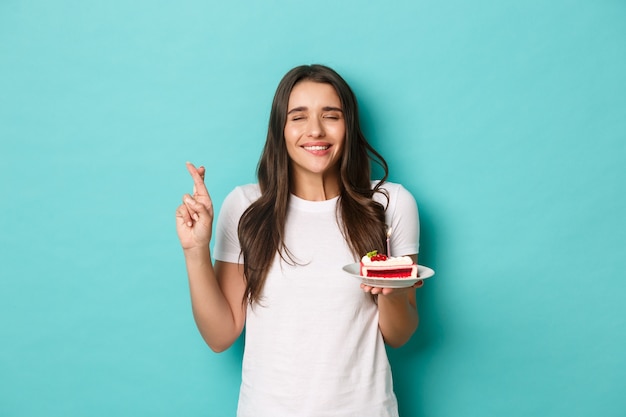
(304, 108)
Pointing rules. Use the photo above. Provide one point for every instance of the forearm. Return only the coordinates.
(398, 317)
(211, 310)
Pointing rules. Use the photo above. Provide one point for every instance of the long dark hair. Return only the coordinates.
(262, 225)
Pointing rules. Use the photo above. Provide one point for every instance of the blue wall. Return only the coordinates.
(507, 120)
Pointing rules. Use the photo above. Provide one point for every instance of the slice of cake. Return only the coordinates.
(375, 265)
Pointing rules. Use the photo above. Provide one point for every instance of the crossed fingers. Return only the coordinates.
(197, 174)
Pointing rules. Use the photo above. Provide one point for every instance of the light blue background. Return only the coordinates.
(506, 119)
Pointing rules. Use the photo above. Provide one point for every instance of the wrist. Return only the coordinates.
(401, 304)
(197, 252)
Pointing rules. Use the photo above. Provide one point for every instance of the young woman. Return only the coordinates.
(314, 338)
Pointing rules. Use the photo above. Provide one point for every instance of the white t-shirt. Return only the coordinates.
(312, 343)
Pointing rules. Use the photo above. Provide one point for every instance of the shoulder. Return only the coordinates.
(391, 187)
(392, 193)
(244, 194)
(240, 198)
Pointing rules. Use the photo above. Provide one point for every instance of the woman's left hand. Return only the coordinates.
(392, 291)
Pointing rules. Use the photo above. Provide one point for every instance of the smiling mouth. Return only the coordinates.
(316, 148)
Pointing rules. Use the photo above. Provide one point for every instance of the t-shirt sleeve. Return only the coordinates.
(227, 248)
(403, 217)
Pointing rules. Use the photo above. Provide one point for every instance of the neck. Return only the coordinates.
(315, 187)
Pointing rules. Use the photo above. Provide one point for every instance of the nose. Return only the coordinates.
(316, 129)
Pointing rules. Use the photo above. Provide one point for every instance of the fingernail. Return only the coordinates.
(189, 224)
(196, 217)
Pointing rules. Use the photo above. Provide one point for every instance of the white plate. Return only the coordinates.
(354, 270)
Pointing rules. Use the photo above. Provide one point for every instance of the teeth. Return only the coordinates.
(316, 148)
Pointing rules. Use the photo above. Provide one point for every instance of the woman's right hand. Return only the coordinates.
(194, 217)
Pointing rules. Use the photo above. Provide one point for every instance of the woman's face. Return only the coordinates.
(315, 129)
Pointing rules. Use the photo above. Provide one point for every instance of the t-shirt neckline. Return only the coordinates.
(315, 206)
